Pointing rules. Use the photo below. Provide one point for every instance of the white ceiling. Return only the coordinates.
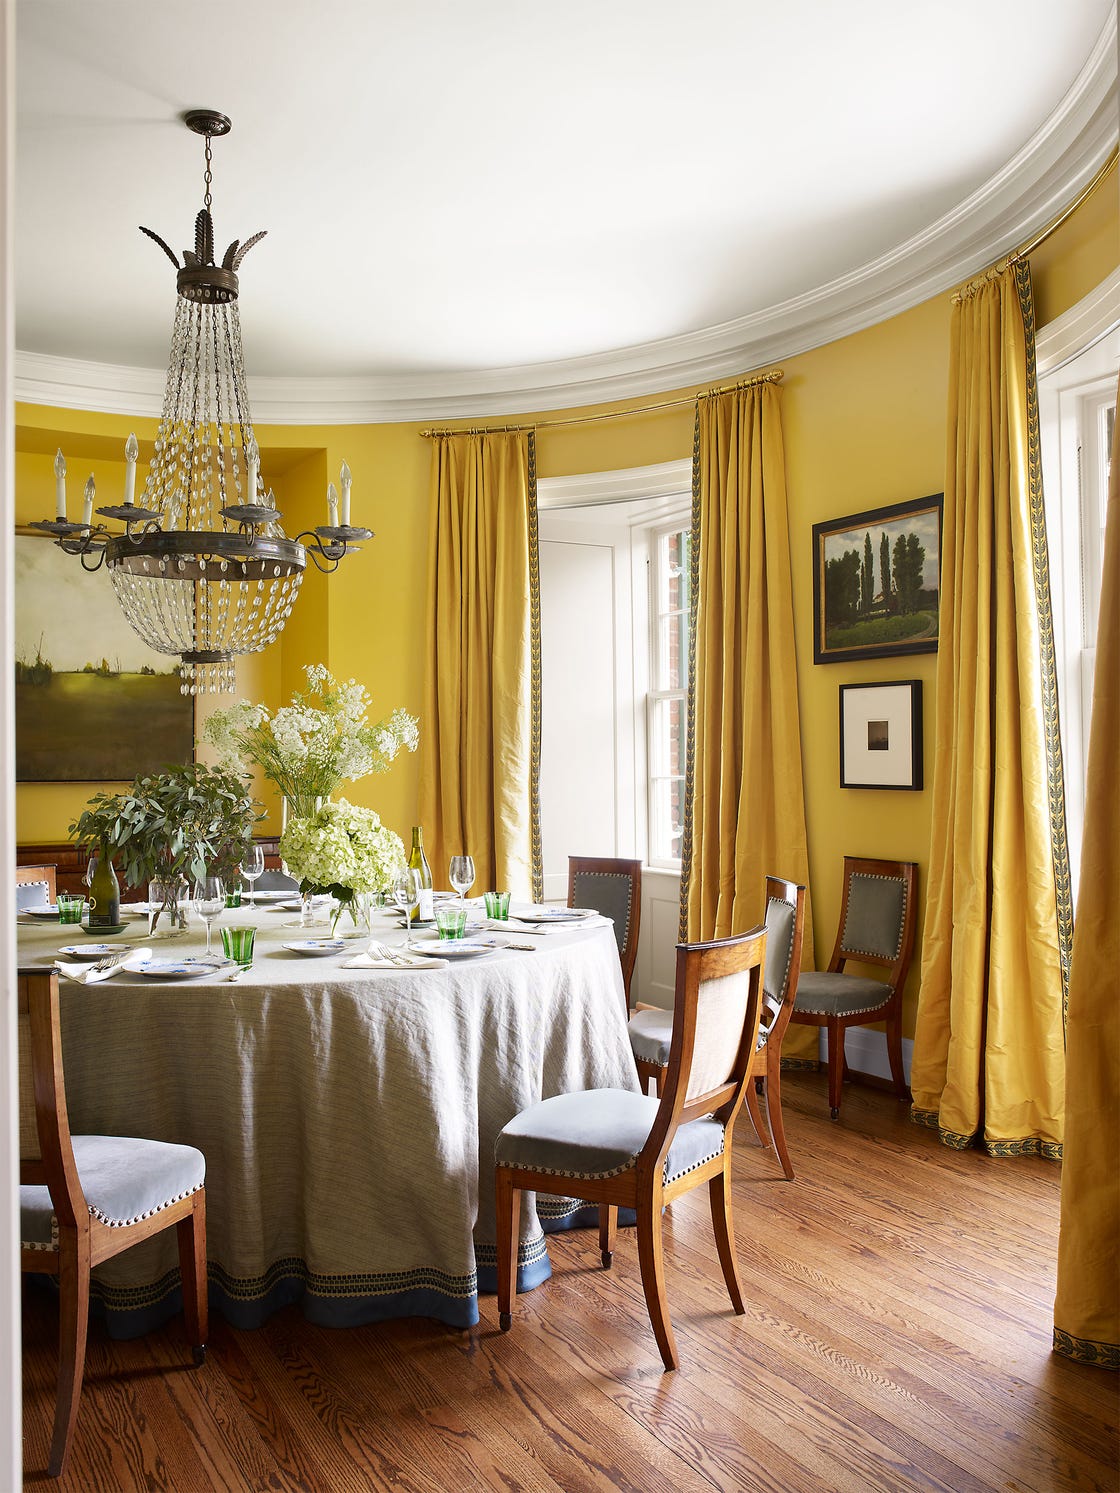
(500, 204)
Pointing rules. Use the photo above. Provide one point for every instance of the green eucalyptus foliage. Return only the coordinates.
(189, 821)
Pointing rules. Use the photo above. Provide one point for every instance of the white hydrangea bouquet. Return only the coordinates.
(310, 747)
(343, 850)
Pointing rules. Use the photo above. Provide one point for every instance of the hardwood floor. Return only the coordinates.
(897, 1337)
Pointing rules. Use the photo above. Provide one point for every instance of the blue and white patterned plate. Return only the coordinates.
(88, 950)
(318, 946)
(179, 969)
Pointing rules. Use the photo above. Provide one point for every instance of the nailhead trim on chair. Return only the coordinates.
(116, 1223)
(870, 876)
(551, 1171)
(113, 1223)
(695, 1165)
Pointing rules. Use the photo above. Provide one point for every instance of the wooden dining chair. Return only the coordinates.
(878, 917)
(614, 888)
(85, 1198)
(618, 1149)
(651, 1030)
(26, 875)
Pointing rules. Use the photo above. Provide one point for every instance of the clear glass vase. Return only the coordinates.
(350, 919)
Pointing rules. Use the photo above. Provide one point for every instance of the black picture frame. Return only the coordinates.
(900, 619)
(881, 735)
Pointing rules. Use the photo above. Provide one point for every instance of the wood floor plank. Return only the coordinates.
(897, 1338)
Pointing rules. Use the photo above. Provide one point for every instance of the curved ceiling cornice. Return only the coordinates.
(1029, 192)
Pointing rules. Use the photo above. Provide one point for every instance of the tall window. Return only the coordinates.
(670, 590)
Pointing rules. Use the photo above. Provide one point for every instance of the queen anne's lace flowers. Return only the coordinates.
(341, 849)
(319, 741)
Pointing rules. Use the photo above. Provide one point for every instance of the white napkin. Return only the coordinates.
(90, 974)
(372, 958)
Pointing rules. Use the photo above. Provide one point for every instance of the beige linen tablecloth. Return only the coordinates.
(347, 1117)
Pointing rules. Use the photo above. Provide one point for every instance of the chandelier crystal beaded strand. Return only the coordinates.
(203, 568)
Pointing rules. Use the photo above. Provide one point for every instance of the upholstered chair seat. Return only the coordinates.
(600, 1133)
(650, 1035)
(124, 1180)
(826, 994)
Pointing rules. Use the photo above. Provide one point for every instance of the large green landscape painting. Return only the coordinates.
(93, 703)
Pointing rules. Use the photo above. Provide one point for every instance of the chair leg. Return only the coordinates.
(608, 1227)
(191, 1234)
(894, 1051)
(652, 1264)
(507, 1202)
(719, 1198)
(835, 1065)
(773, 1083)
(73, 1322)
(756, 1114)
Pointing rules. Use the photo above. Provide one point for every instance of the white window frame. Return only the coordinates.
(1077, 356)
(657, 770)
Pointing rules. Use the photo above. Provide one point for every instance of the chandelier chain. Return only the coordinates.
(209, 177)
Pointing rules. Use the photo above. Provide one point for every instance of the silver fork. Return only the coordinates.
(391, 954)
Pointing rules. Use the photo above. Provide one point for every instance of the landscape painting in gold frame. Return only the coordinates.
(93, 703)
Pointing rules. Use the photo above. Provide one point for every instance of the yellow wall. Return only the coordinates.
(864, 422)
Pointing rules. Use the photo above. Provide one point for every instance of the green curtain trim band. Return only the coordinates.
(1027, 1145)
(800, 1065)
(536, 848)
(1085, 1350)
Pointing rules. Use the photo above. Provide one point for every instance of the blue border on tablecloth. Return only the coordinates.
(339, 1301)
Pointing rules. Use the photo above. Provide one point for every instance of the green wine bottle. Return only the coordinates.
(104, 894)
(418, 861)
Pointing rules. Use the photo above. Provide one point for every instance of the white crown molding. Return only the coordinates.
(1030, 190)
(663, 479)
(1076, 329)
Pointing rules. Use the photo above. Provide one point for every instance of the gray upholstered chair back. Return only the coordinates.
(876, 917)
(610, 893)
(275, 881)
(32, 894)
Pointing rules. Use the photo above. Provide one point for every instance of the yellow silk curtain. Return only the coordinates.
(480, 726)
(745, 807)
(1087, 1308)
(989, 1061)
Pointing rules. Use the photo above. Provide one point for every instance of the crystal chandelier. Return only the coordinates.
(203, 568)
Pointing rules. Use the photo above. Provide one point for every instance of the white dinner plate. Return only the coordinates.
(180, 969)
(48, 914)
(318, 946)
(275, 896)
(455, 948)
(552, 915)
(89, 950)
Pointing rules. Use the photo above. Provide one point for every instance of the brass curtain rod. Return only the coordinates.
(772, 376)
(1052, 227)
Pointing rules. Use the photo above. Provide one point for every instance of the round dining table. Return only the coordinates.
(347, 1106)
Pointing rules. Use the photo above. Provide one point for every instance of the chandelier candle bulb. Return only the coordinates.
(332, 505)
(131, 452)
(345, 480)
(253, 458)
(87, 504)
(60, 485)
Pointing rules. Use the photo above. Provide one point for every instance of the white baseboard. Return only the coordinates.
(866, 1051)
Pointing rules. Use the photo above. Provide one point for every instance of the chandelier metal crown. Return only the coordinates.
(203, 568)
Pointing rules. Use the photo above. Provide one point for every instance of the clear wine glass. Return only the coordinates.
(91, 869)
(209, 899)
(406, 895)
(252, 866)
(461, 875)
